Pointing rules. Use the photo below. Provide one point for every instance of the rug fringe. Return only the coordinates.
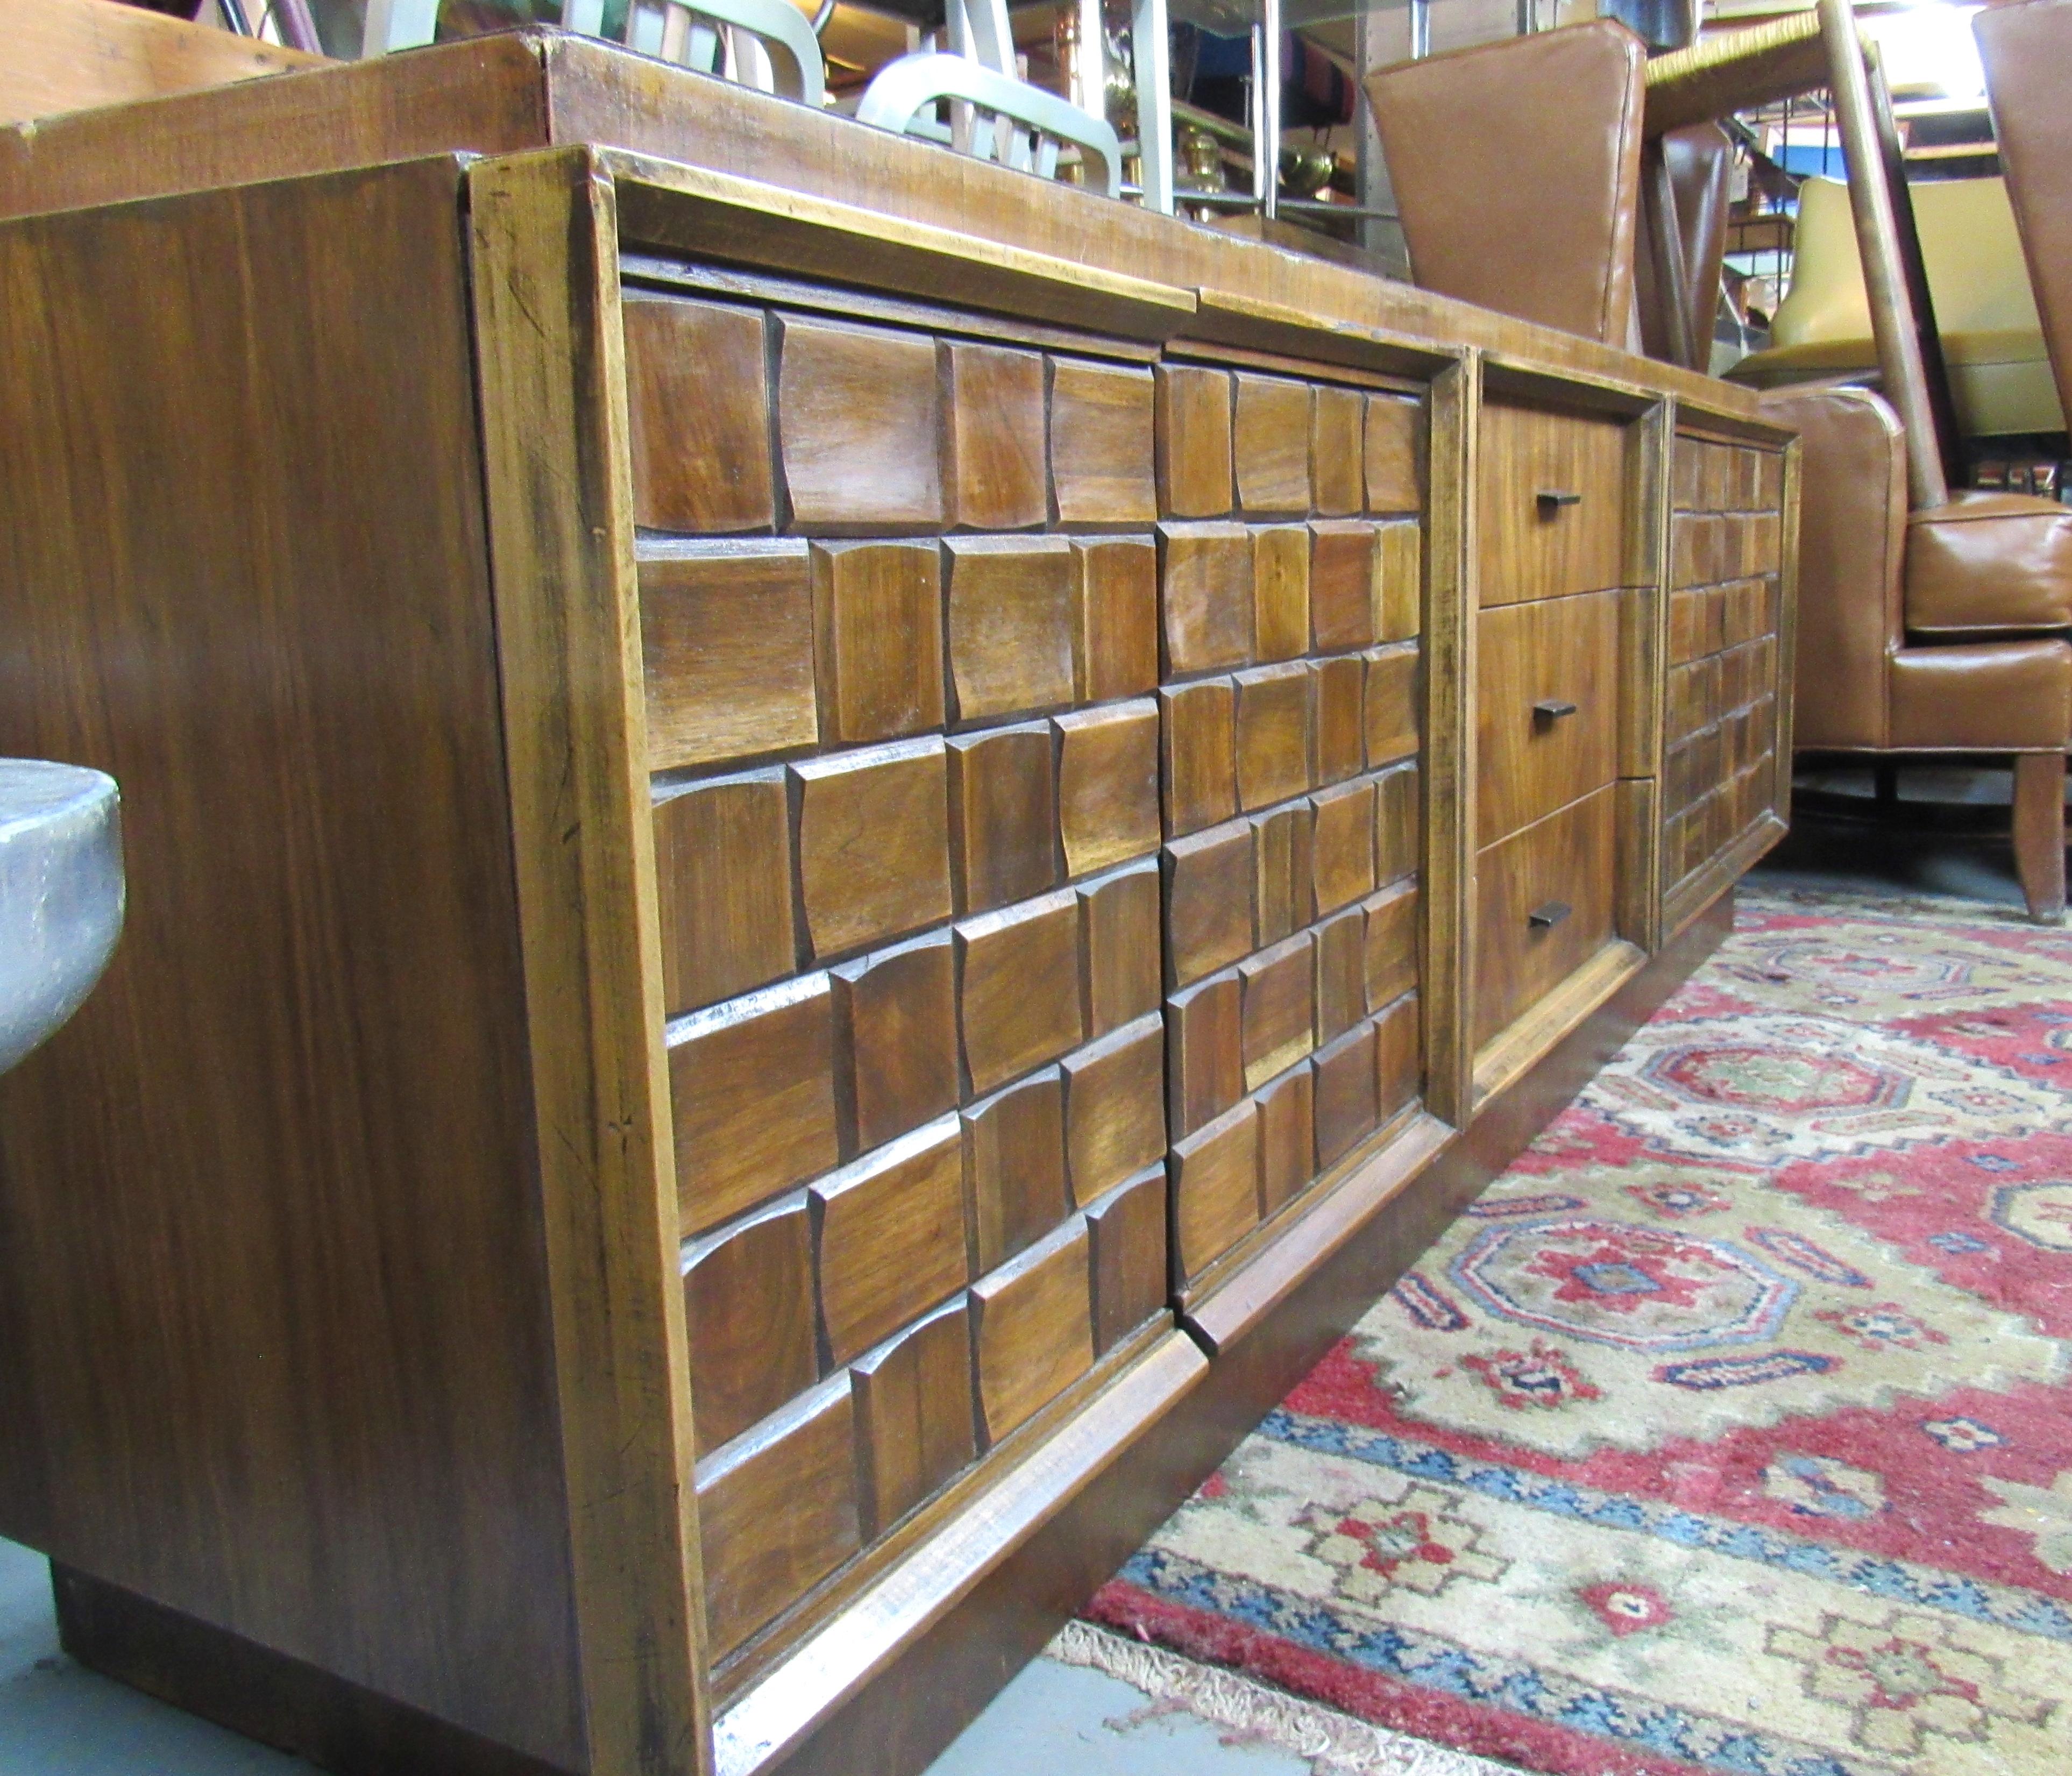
(1335, 1744)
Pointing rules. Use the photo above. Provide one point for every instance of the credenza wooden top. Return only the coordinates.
(532, 88)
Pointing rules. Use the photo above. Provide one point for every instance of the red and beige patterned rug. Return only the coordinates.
(1729, 1431)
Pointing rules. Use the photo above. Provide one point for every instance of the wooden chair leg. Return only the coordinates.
(2039, 834)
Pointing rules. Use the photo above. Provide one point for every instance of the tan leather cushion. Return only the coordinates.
(1516, 170)
(1852, 529)
(2027, 50)
(1986, 696)
(1989, 562)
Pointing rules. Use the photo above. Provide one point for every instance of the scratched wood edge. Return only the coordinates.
(694, 209)
(831, 1666)
(1638, 891)
(544, 253)
(1787, 634)
(1450, 564)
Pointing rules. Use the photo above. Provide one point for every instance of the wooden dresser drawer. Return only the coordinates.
(1543, 907)
(1546, 708)
(1554, 505)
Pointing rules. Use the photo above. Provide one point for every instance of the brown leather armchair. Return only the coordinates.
(1918, 627)
(1867, 569)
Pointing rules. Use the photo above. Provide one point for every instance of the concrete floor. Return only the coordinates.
(58, 1719)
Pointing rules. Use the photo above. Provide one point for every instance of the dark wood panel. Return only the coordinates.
(753, 1086)
(723, 881)
(1014, 1165)
(1126, 1228)
(204, 1282)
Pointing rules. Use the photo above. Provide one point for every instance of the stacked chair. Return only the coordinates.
(1931, 618)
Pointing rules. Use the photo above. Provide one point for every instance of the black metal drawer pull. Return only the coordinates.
(1550, 709)
(1545, 917)
(1551, 498)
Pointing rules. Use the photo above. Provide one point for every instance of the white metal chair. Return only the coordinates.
(764, 43)
(994, 114)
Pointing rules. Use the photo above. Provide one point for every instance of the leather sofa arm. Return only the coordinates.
(1852, 549)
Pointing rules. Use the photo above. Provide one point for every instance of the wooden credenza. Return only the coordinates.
(811, 896)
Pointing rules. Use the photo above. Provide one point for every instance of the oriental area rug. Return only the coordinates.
(1730, 1431)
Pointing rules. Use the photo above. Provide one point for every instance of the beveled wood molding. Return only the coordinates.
(545, 246)
(1226, 317)
(694, 209)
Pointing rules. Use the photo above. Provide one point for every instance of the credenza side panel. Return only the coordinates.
(273, 1345)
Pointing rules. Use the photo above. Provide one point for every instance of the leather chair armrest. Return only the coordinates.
(1989, 563)
(1984, 696)
(1852, 539)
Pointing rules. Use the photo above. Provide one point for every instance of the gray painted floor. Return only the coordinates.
(57, 1719)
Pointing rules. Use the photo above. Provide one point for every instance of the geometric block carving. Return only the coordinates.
(1215, 1187)
(1273, 711)
(723, 871)
(777, 1512)
(1114, 1107)
(1198, 762)
(1194, 442)
(1010, 624)
(1394, 480)
(1281, 591)
(752, 1081)
(878, 618)
(1207, 596)
(914, 1423)
(1107, 785)
(1115, 597)
(896, 1037)
(748, 1308)
(1121, 973)
(727, 635)
(1128, 1229)
(996, 438)
(859, 426)
(1272, 442)
(698, 400)
(874, 843)
(1003, 816)
(1341, 584)
(1014, 1165)
(1018, 988)
(1337, 425)
(1100, 444)
(1032, 1326)
(888, 1236)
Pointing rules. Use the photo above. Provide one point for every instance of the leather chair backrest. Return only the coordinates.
(2027, 49)
(1701, 163)
(1516, 169)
